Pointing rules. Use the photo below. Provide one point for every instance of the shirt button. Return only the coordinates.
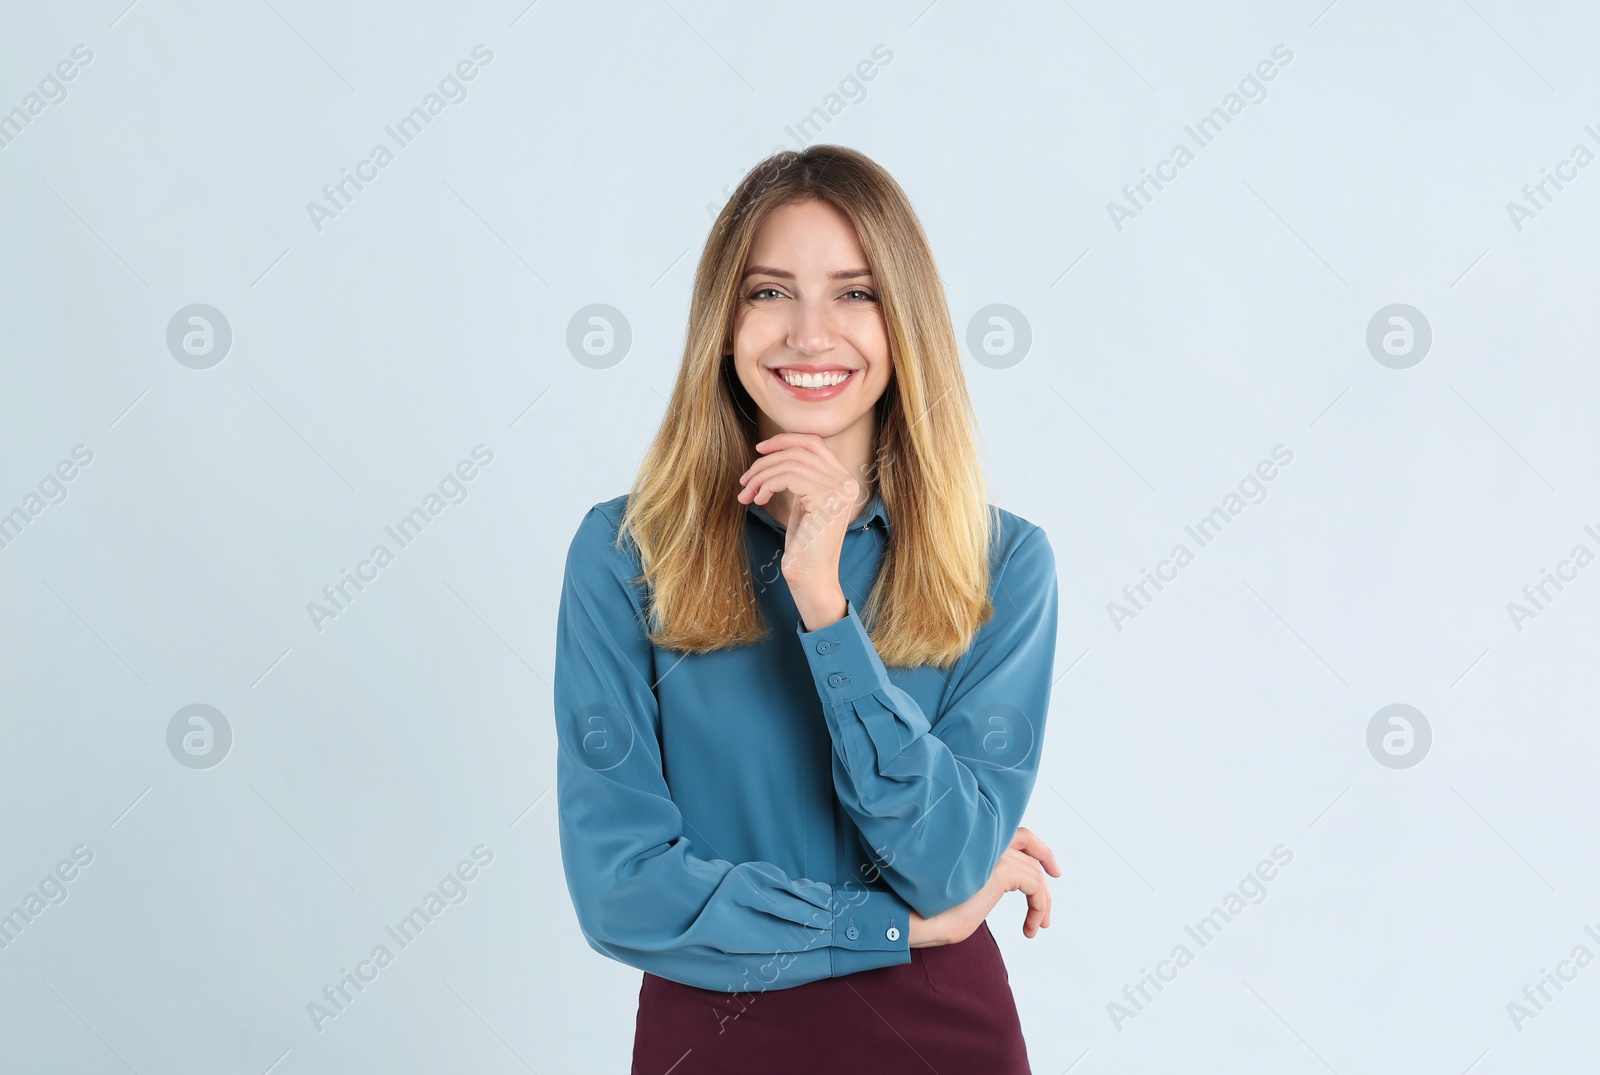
(852, 933)
(836, 680)
(824, 647)
(893, 934)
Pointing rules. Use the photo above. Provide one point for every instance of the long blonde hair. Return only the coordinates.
(683, 513)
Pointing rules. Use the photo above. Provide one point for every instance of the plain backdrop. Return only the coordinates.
(1335, 272)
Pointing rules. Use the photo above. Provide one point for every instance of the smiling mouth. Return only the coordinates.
(813, 384)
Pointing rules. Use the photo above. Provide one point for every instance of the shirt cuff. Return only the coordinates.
(844, 662)
(871, 932)
(868, 716)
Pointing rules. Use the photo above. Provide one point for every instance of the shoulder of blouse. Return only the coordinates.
(594, 553)
(601, 524)
(612, 510)
(1012, 533)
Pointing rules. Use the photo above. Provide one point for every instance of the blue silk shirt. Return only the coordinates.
(766, 816)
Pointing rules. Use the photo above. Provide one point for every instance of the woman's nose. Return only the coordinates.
(812, 330)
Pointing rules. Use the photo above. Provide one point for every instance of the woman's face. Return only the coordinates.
(810, 343)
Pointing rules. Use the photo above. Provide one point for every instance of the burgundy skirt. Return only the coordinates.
(949, 1010)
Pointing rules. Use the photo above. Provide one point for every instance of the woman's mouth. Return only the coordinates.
(813, 384)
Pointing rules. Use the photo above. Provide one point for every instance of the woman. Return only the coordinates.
(803, 667)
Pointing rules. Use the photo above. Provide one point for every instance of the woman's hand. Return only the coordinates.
(822, 501)
(1022, 867)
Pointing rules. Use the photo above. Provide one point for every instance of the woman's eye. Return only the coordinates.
(864, 295)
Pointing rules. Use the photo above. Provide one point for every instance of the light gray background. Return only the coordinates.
(1167, 360)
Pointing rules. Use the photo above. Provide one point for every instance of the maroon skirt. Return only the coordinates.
(949, 1010)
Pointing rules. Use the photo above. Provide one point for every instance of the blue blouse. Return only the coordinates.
(766, 816)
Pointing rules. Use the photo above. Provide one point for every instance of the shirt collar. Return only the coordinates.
(873, 510)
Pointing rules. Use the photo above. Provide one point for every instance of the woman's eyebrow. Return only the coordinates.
(782, 274)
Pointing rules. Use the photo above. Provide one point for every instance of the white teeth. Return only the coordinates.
(814, 380)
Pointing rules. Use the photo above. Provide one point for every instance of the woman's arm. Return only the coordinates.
(940, 800)
(643, 892)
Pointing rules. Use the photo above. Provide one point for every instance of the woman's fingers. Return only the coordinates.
(811, 453)
(1016, 871)
(821, 458)
(1028, 885)
(1028, 843)
(1030, 923)
(786, 476)
(1025, 874)
(813, 490)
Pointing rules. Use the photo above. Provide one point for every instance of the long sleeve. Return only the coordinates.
(939, 800)
(644, 893)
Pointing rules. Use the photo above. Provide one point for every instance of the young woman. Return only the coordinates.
(803, 667)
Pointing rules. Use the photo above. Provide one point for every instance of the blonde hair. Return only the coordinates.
(683, 513)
